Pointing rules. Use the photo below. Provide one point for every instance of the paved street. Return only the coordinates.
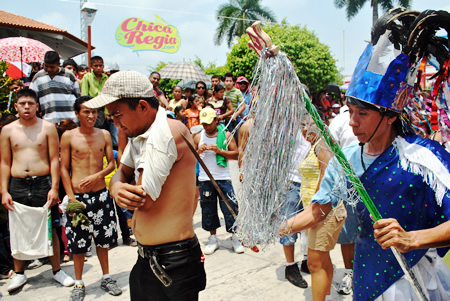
(248, 276)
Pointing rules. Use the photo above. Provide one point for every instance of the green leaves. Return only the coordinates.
(5, 82)
(313, 62)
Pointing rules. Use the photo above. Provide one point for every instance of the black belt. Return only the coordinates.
(153, 252)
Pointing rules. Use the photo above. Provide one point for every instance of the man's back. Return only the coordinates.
(56, 95)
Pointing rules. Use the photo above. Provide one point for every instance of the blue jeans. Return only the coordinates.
(208, 203)
(292, 207)
(350, 229)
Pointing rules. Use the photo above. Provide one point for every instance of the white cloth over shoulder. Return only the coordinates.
(29, 232)
(154, 152)
(431, 272)
(434, 173)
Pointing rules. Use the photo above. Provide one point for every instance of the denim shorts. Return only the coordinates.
(32, 192)
(350, 230)
(291, 208)
(208, 202)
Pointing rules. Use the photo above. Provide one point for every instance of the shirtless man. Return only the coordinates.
(154, 79)
(169, 264)
(82, 151)
(30, 174)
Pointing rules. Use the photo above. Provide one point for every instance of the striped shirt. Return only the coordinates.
(56, 95)
(235, 95)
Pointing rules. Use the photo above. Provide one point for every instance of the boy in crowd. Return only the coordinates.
(92, 84)
(30, 175)
(210, 144)
(215, 80)
(56, 89)
(82, 151)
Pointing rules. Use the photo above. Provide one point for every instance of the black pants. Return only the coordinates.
(32, 192)
(186, 269)
(6, 260)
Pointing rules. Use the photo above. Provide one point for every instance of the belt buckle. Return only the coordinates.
(140, 251)
(159, 271)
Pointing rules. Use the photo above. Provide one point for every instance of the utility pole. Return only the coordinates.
(84, 33)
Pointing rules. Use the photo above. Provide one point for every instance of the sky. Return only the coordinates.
(196, 22)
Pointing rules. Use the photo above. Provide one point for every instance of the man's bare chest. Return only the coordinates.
(28, 140)
(91, 148)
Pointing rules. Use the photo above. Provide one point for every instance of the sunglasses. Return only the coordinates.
(201, 88)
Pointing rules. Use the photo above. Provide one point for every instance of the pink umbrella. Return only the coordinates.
(22, 50)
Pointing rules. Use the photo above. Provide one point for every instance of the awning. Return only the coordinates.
(67, 45)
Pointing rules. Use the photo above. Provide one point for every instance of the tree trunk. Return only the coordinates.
(374, 12)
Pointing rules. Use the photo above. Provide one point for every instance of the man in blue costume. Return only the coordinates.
(406, 176)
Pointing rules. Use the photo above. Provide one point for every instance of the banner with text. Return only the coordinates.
(139, 35)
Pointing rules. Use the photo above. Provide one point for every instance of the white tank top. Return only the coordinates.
(209, 158)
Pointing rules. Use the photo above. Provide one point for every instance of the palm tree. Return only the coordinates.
(235, 16)
(353, 6)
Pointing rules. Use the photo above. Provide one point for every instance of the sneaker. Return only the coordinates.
(8, 275)
(237, 246)
(17, 281)
(78, 293)
(63, 278)
(130, 242)
(37, 263)
(111, 287)
(292, 274)
(212, 245)
(88, 253)
(345, 287)
(304, 267)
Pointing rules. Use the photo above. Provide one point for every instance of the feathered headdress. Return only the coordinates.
(427, 44)
(383, 67)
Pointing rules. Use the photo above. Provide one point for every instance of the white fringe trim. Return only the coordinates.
(420, 160)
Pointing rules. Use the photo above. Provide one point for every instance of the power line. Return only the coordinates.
(165, 10)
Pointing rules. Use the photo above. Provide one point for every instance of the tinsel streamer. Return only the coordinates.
(279, 111)
(278, 115)
(9, 100)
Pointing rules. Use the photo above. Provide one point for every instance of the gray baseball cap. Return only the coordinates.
(123, 84)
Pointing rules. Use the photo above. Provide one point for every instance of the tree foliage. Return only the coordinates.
(235, 16)
(352, 7)
(313, 62)
(5, 81)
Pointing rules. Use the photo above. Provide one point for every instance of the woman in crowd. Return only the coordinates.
(202, 92)
(177, 99)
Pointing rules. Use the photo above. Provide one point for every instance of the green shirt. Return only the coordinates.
(235, 95)
(90, 86)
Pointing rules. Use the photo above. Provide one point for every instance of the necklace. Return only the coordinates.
(213, 136)
(371, 155)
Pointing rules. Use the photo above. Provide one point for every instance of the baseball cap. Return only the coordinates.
(207, 115)
(123, 84)
(336, 106)
(242, 79)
